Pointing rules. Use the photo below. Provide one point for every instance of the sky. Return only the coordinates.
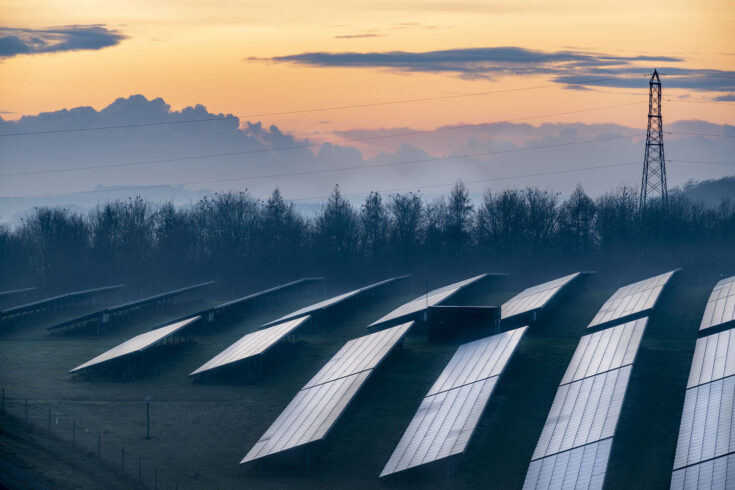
(336, 71)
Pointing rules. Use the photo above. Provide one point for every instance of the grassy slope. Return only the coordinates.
(201, 431)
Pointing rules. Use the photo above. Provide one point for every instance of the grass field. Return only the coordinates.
(200, 431)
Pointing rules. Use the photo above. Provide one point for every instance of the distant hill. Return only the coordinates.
(710, 192)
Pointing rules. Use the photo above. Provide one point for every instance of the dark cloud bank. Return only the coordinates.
(575, 69)
(14, 41)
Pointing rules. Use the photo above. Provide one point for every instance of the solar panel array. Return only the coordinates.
(332, 301)
(534, 298)
(720, 307)
(705, 449)
(424, 301)
(575, 442)
(318, 406)
(48, 302)
(252, 344)
(633, 299)
(448, 415)
(104, 314)
(138, 343)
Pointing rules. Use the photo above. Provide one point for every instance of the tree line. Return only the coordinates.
(236, 237)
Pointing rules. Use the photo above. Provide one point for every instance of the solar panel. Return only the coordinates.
(448, 415)
(67, 296)
(252, 344)
(605, 350)
(12, 292)
(478, 360)
(266, 292)
(316, 408)
(715, 474)
(707, 423)
(581, 468)
(632, 299)
(309, 416)
(714, 358)
(360, 354)
(720, 307)
(442, 426)
(534, 298)
(421, 303)
(583, 411)
(138, 343)
(332, 301)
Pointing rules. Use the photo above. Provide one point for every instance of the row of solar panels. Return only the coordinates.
(253, 344)
(54, 300)
(582, 421)
(448, 415)
(705, 449)
(267, 336)
(105, 314)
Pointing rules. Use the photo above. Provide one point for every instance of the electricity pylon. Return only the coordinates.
(653, 183)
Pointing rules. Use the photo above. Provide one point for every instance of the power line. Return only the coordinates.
(537, 174)
(122, 126)
(513, 150)
(305, 145)
(711, 135)
(318, 109)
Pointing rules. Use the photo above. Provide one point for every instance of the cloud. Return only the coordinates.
(358, 36)
(574, 69)
(16, 41)
(725, 98)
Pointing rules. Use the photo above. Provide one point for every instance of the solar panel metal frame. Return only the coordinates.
(329, 302)
(338, 392)
(605, 350)
(720, 309)
(421, 303)
(535, 298)
(152, 337)
(632, 300)
(581, 468)
(707, 427)
(252, 344)
(470, 376)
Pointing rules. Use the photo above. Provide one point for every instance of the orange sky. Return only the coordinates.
(192, 52)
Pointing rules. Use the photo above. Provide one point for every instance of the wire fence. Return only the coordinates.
(55, 420)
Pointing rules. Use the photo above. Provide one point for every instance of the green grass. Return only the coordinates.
(200, 431)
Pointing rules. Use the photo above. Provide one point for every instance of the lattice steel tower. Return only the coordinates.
(653, 183)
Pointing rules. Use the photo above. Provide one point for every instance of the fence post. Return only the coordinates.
(122, 463)
(99, 444)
